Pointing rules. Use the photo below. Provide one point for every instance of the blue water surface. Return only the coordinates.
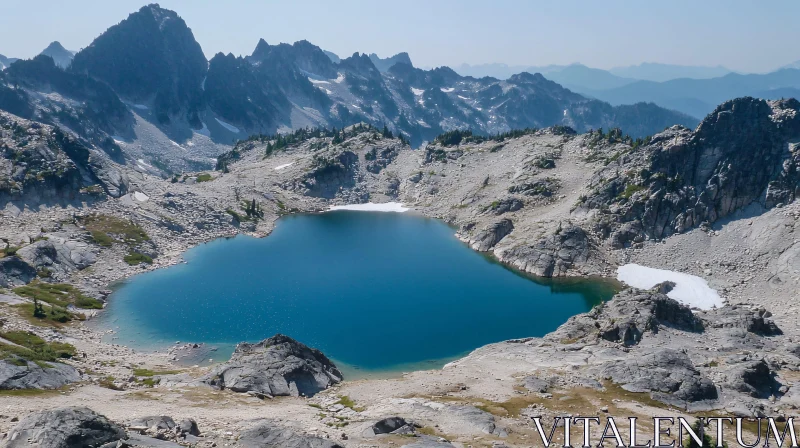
(374, 291)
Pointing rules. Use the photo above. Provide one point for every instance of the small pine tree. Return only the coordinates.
(38, 309)
(698, 428)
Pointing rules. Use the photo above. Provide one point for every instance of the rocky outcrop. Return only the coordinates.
(739, 155)
(491, 235)
(42, 164)
(568, 248)
(268, 434)
(276, 366)
(59, 257)
(740, 318)
(64, 428)
(668, 375)
(15, 272)
(753, 378)
(330, 175)
(627, 318)
(16, 373)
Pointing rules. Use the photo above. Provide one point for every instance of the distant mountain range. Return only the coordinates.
(651, 71)
(694, 91)
(156, 67)
(647, 71)
(147, 74)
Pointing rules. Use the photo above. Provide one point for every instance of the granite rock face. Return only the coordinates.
(565, 249)
(22, 374)
(64, 428)
(739, 155)
(491, 235)
(276, 366)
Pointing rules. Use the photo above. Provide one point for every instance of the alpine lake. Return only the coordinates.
(379, 293)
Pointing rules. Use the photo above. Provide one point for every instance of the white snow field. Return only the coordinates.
(689, 290)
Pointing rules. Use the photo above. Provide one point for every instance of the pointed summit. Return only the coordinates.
(61, 56)
(262, 50)
(150, 56)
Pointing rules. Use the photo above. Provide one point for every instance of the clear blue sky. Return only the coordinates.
(743, 35)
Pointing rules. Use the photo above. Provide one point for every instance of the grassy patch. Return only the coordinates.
(205, 177)
(135, 258)
(108, 383)
(29, 392)
(57, 294)
(33, 348)
(630, 190)
(348, 402)
(152, 373)
(55, 316)
(107, 230)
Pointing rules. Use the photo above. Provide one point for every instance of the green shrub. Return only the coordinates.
(630, 190)
(135, 258)
(57, 294)
(106, 230)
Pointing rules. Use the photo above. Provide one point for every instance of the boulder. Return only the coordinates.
(535, 384)
(60, 257)
(64, 428)
(276, 366)
(269, 434)
(391, 425)
(15, 272)
(154, 423)
(188, 426)
(17, 373)
(754, 378)
(667, 374)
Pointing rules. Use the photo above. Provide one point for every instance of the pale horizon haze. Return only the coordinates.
(744, 36)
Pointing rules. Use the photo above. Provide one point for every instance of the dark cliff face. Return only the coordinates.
(97, 110)
(239, 94)
(740, 154)
(151, 55)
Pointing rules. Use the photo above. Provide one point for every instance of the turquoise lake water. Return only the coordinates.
(376, 292)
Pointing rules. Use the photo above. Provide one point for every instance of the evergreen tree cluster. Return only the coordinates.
(253, 210)
(458, 136)
(615, 135)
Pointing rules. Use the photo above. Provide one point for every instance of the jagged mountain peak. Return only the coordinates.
(60, 55)
(150, 57)
(386, 63)
(262, 50)
(361, 64)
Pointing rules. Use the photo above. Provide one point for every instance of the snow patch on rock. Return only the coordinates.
(689, 290)
(372, 207)
(228, 126)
